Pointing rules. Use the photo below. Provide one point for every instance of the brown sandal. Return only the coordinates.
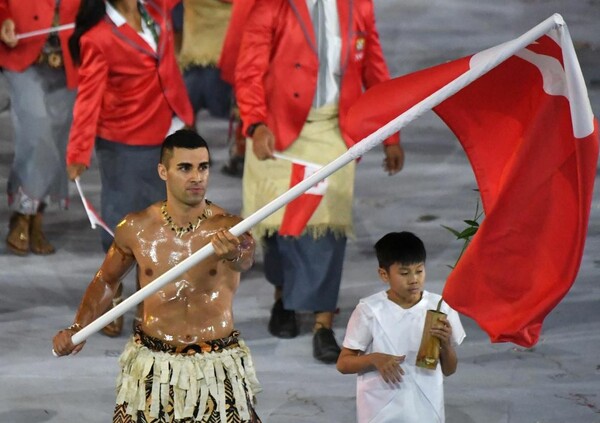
(17, 240)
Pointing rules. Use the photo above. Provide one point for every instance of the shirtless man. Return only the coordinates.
(171, 369)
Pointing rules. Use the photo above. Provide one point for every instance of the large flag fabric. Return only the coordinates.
(299, 211)
(527, 128)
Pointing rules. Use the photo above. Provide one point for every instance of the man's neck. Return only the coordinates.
(182, 213)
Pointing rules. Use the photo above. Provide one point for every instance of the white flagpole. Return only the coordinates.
(45, 31)
(503, 52)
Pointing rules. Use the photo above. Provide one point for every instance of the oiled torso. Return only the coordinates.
(197, 305)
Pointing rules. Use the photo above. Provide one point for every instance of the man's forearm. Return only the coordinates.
(98, 296)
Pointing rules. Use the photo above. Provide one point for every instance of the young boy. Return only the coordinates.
(383, 338)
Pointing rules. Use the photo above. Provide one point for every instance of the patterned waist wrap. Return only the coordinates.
(213, 345)
(205, 25)
(197, 381)
(320, 142)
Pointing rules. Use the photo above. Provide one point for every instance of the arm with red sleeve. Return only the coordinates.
(93, 77)
(253, 63)
(4, 12)
(231, 45)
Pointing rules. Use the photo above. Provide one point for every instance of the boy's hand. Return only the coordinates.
(443, 331)
(388, 366)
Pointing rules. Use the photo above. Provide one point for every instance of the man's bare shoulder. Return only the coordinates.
(133, 222)
(221, 217)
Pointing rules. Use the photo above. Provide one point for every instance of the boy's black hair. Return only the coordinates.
(400, 247)
(184, 138)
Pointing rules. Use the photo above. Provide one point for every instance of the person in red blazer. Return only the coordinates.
(129, 91)
(275, 86)
(41, 80)
(131, 96)
(278, 91)
(23, 16)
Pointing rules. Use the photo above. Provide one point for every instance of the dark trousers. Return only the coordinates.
(208, 91)
(130, 181)
(308, 270)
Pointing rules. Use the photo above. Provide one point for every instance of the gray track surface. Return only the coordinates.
(557, 381)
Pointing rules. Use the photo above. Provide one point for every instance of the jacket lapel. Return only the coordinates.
(345, 13)
(163, 23)
(302, 13)
(131, 37)
(128, 34)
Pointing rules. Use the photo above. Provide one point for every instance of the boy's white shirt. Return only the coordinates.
(380, 325)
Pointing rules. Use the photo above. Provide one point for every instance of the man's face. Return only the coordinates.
(406, 282)
(186, 174)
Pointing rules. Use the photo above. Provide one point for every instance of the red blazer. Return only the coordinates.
(277, 67)
(31, 15)
(231, 45)
(127, 92)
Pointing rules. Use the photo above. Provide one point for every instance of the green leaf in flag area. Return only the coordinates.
(467, 233)
(454, 231)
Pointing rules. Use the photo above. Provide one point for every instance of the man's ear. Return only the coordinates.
(383, 274)
(162, 171)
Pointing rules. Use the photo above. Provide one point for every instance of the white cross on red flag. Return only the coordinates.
(299, 211)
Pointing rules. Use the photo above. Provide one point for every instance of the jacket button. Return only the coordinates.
(35, 17)
(296, 95)
(297, 65)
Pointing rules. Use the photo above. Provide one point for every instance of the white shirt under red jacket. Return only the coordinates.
(277, 66)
